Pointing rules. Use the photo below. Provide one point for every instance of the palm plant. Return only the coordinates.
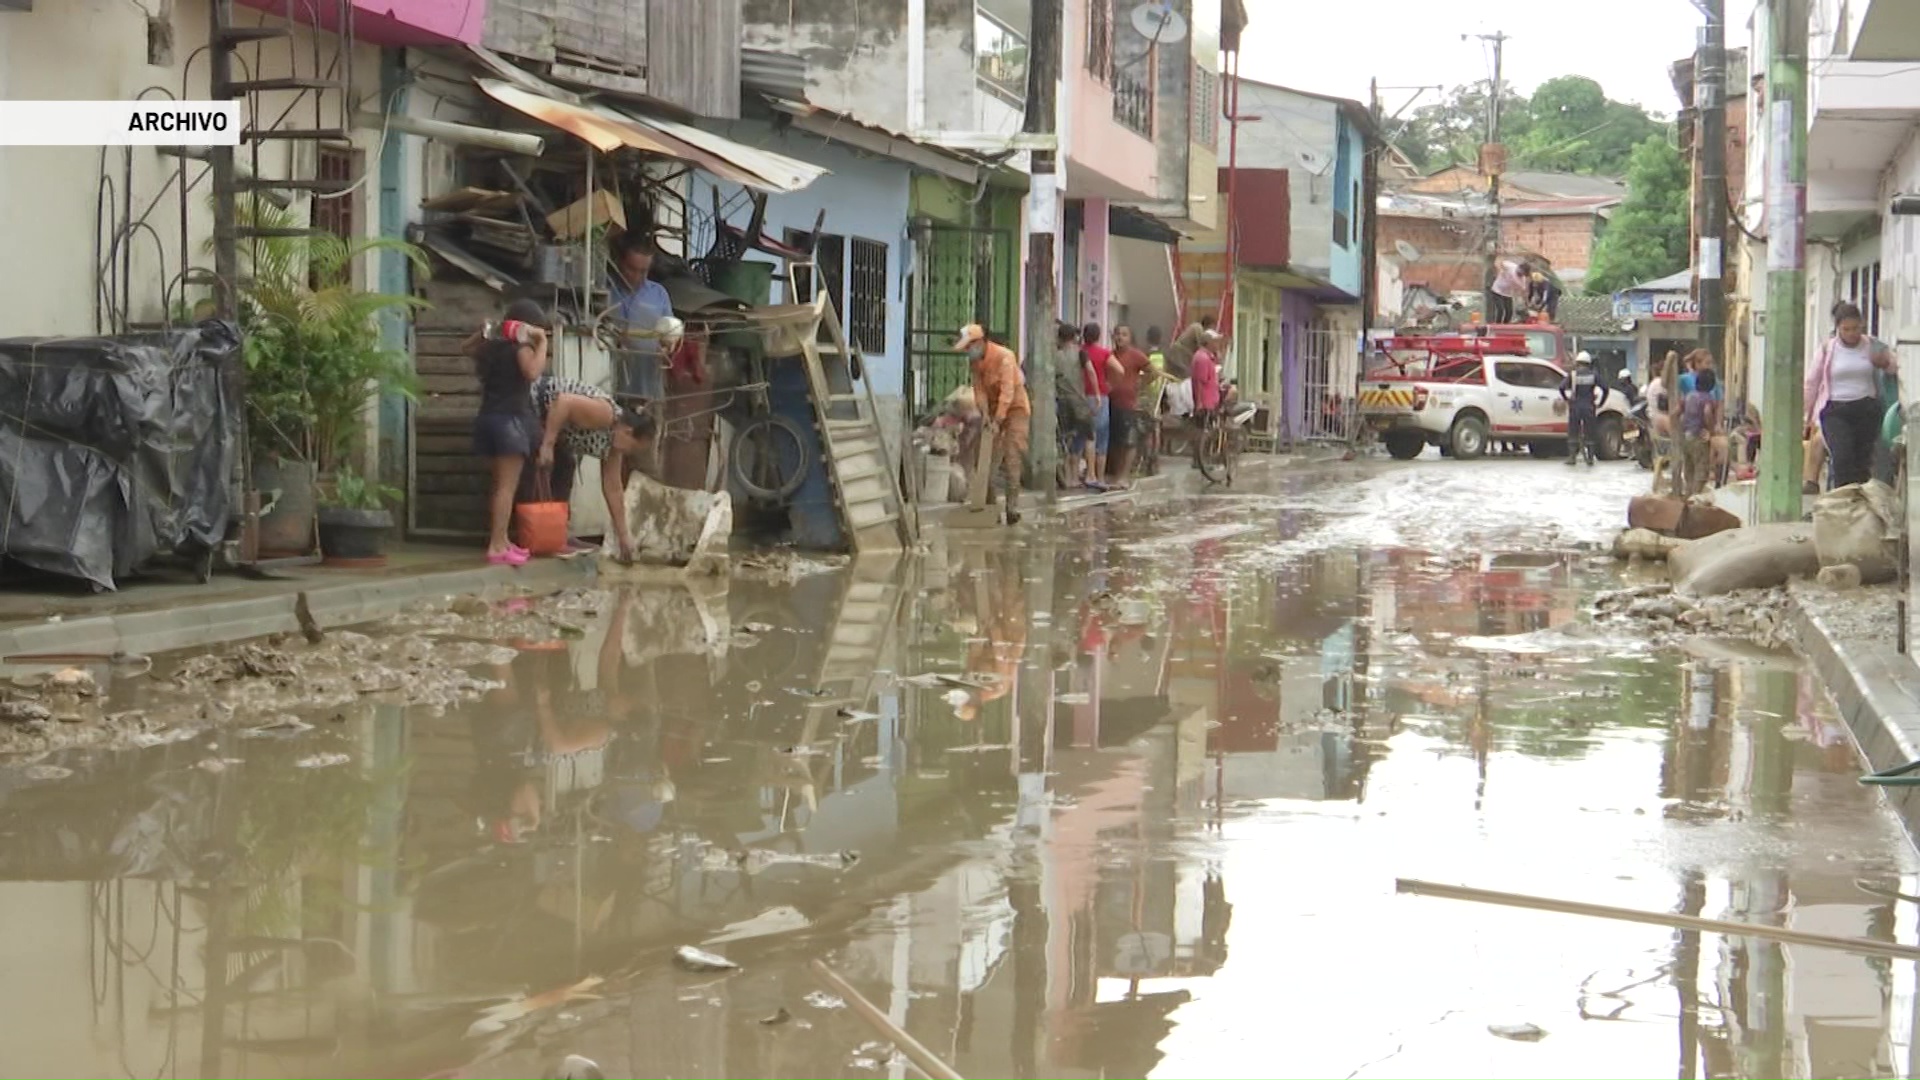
(314, 353)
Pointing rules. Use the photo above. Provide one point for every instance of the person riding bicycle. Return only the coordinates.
(1585, 394)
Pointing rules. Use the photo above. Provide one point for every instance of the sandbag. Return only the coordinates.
(1855, 525)
(677, 525)
(1645, 544)
(1754, 557)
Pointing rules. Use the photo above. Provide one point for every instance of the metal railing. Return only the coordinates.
(1133, 101)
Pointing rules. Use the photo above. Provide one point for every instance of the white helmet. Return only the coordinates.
(1584, 358)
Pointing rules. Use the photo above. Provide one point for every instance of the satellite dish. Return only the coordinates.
(1314, 161)
(1159, 22)
(1407, 251)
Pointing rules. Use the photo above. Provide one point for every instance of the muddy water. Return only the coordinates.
(1128, 803)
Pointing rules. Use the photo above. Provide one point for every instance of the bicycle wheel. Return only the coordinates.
(771, 457)
(1201, 442)
(1229, 452)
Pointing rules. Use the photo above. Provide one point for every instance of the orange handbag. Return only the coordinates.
(541, 526)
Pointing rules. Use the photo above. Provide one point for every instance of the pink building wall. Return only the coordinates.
(1124, 159)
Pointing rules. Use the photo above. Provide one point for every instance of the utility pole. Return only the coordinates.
(1786, 135)
(1710, 107)
(1043, 224)
(1493, 163)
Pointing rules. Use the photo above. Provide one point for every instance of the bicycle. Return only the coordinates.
(1216, 448)
(769, 455)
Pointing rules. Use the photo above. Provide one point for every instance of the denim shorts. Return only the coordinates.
(503, 435)
(1102, 425)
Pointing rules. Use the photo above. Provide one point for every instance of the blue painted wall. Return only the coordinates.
(864, 196)
(1344, 260)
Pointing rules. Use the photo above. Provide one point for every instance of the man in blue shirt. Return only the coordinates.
(639, 303)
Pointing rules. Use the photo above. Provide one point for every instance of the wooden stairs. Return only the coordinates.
(874, 509)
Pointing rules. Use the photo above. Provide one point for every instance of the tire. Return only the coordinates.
(1468, 437)
(771, 458)
(1610, 435)
(1404, 445)
(1209, 453)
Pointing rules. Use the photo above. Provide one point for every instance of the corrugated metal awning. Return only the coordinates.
(607, 129)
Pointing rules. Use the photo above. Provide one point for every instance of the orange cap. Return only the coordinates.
(969, 334)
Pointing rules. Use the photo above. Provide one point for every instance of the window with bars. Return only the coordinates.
(337, 214)
(1100, 38)
(867, 288)
(1206, 108)
(1863, 290)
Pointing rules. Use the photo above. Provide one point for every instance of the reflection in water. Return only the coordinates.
(1006, 795)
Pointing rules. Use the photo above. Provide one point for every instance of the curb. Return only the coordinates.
(347, 603)
(1877, 690)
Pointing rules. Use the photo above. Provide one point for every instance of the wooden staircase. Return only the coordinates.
(874, 509)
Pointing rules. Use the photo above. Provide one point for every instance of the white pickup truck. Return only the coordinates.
(1464, 392)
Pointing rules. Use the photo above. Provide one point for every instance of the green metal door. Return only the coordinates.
(965, 275)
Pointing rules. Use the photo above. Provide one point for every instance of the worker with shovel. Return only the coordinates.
(1000, 393)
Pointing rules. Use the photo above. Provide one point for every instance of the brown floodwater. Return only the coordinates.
(1127, 801)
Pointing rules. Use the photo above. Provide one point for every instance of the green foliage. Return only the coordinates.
(352, 491)
(313, 346)
(1647, 236)
(1568, 125)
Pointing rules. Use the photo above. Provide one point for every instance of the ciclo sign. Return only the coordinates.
(1660, 307)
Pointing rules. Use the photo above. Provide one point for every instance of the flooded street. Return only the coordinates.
(1127, 797)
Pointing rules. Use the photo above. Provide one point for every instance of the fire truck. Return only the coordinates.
(1466, 390)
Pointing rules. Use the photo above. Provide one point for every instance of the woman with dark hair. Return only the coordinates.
(581, 421)
(1845, 392)
(507, 360)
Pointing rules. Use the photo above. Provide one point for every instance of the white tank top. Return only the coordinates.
(1852, 376)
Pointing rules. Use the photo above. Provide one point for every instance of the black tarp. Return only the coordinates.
(114, 450)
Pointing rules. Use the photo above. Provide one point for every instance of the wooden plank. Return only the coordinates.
(450, 464)
(451, 483)
(693, 54)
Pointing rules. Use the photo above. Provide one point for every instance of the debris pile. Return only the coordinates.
(1757, 615)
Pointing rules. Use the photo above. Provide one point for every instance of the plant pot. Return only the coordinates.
(286, 528)
(354, 537)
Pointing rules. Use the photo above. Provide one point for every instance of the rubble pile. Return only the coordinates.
(424, 657)
(1756, 615)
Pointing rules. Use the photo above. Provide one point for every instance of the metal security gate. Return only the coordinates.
(1331, 386)
(963, 275)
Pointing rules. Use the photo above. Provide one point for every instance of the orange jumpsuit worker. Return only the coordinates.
(1000, 393)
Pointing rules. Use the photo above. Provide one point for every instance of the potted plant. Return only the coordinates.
(354, 519)
(314, 357)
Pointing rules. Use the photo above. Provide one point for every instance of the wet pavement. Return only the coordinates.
(1126, 801)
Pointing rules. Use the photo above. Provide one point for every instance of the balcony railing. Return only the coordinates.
(1000, 58)
(1133, 101)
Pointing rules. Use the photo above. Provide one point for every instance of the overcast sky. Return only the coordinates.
(1335, 46)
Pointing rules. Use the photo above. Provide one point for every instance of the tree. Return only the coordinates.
(1451, 131)
(1648, 235)
(1575, 128)
(1567, 125)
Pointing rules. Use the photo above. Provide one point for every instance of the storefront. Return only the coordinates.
(1661, 317)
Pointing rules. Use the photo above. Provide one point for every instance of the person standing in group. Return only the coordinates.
(1156, 349)
(1509, 291)
(507, 360)
(1843, 391)
(1000, 393)
(1543, 296)
(1206, 381)
(639, 303)
(1130, 369)
(1585, 395)
(1179, 355)
(1699, 422)
(1072, 415)
(1099, 378)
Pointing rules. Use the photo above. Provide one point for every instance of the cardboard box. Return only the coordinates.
(572, 222)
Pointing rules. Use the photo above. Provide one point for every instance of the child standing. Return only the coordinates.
(1699, 419)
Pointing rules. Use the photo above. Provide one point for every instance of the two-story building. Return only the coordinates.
(1863, 148)
(1299, 283)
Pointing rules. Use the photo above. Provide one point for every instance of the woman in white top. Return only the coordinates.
(1843, 391)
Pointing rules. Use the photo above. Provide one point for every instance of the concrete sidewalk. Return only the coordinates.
(1850, 640)
(162, 614)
